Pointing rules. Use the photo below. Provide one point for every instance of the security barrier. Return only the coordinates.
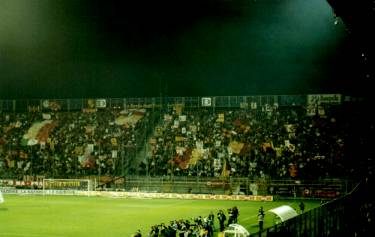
(345, 216)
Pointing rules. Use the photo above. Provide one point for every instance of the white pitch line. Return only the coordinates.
(250, 217)
(29, 235)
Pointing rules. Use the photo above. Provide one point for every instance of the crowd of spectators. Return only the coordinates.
(271, 141)
(280, 143)
(195, 227)
(70, 144)
(274, 142)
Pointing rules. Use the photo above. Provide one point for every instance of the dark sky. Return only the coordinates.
(95, 48)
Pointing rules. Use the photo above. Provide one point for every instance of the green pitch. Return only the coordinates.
(68, 216)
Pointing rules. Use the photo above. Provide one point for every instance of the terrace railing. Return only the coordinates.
(244, 102)
(344, 216)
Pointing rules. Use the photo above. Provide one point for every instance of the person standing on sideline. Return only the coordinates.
(230, 216)
(137, 234)
(221, 217)
(261, 211)
(1, 197)
(302, 207)
(211, 220)
(236, 213)
(261, 215)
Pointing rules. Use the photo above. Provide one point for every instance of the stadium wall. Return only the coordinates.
(139, 195)
(244, 102)
(322, 189)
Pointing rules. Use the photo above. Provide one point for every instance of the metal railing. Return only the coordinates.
(72, 104)
(339, 217)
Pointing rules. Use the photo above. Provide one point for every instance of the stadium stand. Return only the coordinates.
(272, 142)
(311, 146)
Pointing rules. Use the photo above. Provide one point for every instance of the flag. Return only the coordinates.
(266, 146)
(182, 161)
(226, 169)
(10, 163)
(180, 138)
(87, 160)
(178, 108)
(293, 170)
(130, 119)
(38, 133)
(236, 147)
(196, 155)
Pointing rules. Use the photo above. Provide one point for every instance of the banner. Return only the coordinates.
(130, 119)
(178, 108)
(253, 105)
(318, 99)
(220, 118)
(244, 105)
(180, 139)
(46, 116)
(182, 118)
(168, 117)
(206, 102)
(176, 123)
(53, 105)
(90, 104)
(196, 155)
(311, 110)
(101, 103)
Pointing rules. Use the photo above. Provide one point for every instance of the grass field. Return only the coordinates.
(71, 216)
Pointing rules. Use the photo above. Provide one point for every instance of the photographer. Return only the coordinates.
(221, 217)
(230, 216)
(236, 213)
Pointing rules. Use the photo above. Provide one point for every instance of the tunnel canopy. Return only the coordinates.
(284, 212)
(236, 230)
